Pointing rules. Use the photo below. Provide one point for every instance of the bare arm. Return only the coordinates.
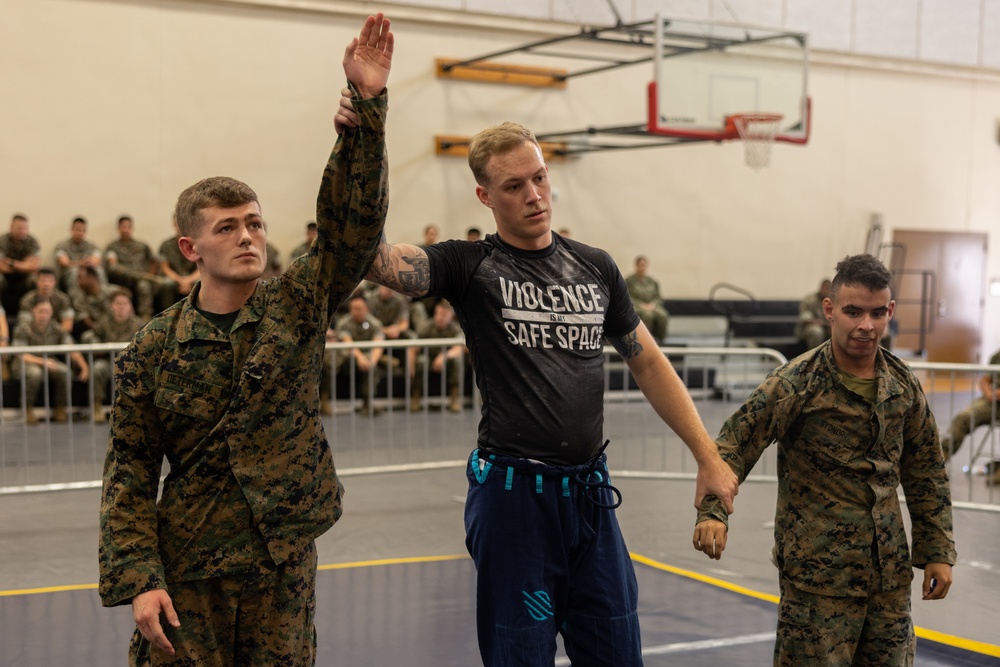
(402, 267)
(669, 397)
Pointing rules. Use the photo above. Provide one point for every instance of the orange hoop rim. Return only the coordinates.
(752, 117)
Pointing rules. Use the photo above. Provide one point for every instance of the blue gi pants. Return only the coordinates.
(550, 559)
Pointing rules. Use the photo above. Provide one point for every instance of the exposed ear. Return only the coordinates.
(186, 244)
(828, 308)
(484, 196)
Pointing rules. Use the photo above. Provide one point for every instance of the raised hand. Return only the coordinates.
(368, 57)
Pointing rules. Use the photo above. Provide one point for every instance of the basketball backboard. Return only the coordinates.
(705, 73)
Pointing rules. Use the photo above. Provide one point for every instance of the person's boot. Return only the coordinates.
(415, 398)
(454, 400)
(59, 414)
(993, 473)
(98, 413)
(30, 417)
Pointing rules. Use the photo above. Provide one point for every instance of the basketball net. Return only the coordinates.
(757, 130)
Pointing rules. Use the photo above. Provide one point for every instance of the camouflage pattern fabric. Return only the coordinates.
(876, 631)
(980, 412)
(237, 415)
(11, 248)
(62, 305)
(840, 461)
(389, 311)
(96, 306)
(133, 257)
(273, 607)
(171, 253)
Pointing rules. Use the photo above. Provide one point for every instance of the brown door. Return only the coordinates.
(939, 289)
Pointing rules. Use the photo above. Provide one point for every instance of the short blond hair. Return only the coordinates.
(496, 140)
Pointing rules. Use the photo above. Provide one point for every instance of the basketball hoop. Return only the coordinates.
(757, 130)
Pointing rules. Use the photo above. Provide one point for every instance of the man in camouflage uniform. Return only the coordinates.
(812, 327)
(360, 326)
(644, 291)
(42, 330)
(132, 264)
(852, 425)
(438, 358)
(20, 258)
(120, 325)
(46, 290)
(224, 385)
(303, 247)
(91, 301)
(74, 252)
(981, 411)
(180, 272)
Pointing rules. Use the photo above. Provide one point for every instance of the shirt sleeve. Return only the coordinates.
(129, 546)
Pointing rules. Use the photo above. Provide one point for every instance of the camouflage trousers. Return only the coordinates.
(263, 617)
(981, 411)
(815, 630)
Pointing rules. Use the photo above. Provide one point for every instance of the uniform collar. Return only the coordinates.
(192, 325)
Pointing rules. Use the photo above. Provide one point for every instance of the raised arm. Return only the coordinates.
(353, 198)
(667, 394)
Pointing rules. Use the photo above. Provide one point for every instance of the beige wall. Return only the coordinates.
(115, 106)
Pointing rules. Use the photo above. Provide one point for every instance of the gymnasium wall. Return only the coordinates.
(114, 106)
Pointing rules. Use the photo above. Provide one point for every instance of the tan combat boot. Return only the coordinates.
(454, 400)
(415, 398)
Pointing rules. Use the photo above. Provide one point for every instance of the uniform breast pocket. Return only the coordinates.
(190, 398)
(830, 440)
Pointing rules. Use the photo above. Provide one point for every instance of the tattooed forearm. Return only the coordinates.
(418, 279)
(628, 345)
(389, 268)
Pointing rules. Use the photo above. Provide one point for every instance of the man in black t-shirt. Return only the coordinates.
(536, 309)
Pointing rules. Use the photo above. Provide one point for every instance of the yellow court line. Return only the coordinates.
(923, 633)
(393, 561)
(49, 589)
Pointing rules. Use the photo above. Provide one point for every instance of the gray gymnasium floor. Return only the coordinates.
(396, 586)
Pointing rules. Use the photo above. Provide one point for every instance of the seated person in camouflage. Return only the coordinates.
(120, 325)
(181, 272)
(273, 267)
(981, 411)
(852, 425)
(40, 330)
(303, 247)
(812, 327)
(438, 359)
(46, 290)
(644, 291)
(220, 568)
(74, 252)
(360, 326)
(20, 258)
(91, 300)
(131, 263)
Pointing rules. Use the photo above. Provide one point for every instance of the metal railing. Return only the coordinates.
(391, 431)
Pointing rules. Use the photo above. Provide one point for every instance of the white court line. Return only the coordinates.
(703, 645)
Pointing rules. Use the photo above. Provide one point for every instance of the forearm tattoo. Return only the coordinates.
(384, 270)
(628, 345)
(418, 278)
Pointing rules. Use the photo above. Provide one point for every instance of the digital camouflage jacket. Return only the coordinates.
(236, 416)
(841, 460)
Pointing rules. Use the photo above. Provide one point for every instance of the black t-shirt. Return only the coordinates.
(535, 323)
